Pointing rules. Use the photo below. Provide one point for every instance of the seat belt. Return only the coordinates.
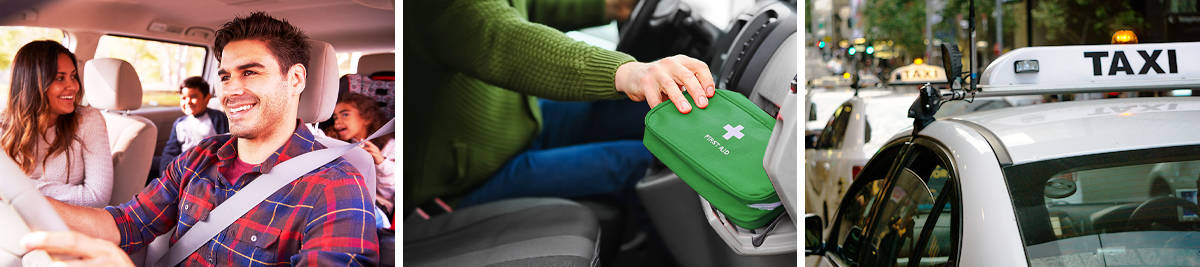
(240, 203)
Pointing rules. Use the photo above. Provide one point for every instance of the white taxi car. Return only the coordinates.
(855, 130)
(1060, 184)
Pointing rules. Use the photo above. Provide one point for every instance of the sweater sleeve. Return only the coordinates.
(96, 189)
(490, 41)
(567, 15)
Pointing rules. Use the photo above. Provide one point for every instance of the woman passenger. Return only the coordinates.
(43, 125)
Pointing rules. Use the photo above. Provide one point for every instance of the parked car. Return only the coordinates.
(856, 129)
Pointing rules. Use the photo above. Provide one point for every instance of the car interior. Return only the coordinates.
(136, 90)
(1105, 200)
(1120, 207)
(754, 57)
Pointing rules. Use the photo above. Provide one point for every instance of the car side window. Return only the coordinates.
(835, 129)
(855, 209)
(160, 65)
(915, 221)
(866, 129)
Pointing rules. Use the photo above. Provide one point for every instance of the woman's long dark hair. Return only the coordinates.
(369, 110)
(33, 70)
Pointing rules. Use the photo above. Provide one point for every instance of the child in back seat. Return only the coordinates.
(198, 122)
(356, 116)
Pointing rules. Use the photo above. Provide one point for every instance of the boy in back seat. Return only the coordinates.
(198, 121)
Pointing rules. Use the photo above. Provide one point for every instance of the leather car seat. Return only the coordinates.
(112, 85)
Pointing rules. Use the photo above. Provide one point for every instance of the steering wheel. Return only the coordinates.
(1163, 211)
(22, 209)
(638, 37)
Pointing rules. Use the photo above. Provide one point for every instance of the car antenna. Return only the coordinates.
(971, 30)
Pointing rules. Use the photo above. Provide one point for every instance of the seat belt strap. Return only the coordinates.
(240, 203)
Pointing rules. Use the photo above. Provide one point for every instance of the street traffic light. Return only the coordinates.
(821, 44)
(851, 50)
(870, 50)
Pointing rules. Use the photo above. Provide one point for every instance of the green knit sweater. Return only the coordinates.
(472, 70)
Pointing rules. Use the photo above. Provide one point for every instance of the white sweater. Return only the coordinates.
(385, 172)
(89, 180)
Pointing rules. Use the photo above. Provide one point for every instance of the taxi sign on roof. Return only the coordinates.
(1093, 68)
(917, 74)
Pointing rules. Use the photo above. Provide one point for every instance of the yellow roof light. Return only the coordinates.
(1124, 37)
(918, 61)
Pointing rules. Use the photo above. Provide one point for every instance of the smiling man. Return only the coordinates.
(323, 218)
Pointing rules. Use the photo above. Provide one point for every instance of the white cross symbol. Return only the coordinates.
(731, 131)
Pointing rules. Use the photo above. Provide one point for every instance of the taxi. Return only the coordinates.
(857, 127)
(917, 73)
(854, 129)
(1068, 183)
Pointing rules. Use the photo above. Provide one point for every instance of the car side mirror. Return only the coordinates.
(812, 111)
(951, 62)
(812, 235)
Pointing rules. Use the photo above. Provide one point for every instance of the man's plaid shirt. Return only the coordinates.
(324, 218)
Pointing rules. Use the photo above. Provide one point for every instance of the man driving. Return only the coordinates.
(322, 218)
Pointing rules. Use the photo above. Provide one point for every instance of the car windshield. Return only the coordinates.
(1133, 208)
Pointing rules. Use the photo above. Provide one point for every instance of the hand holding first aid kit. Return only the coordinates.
(718, 151)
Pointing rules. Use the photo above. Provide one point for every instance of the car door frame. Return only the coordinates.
(905, 144)
(858, 184)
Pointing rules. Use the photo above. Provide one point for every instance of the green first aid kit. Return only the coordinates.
(718, 151)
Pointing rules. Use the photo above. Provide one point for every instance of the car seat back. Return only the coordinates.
(113, 87)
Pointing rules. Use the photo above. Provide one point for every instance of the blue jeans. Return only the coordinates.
(584, 149)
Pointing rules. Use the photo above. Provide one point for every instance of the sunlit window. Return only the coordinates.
(161, 66)
(12, 38)
(348, 62)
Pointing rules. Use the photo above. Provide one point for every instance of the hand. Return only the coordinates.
(618, 9)
(373, 150)
(385, 203)
(652, 81)
(90, 251)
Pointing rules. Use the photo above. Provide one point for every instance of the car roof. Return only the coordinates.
(349, 25)
(887, 115)
(1065, 129)
(828, 100)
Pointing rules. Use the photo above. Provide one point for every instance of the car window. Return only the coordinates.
(835, 129)
(903, 227)
(1131, 208)
(161, 66)
(12, 38)
(348, 62)
(855, 208)
(866, 129)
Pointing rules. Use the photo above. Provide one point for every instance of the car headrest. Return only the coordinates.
(112, 84)
(321, 90)
(368, 64)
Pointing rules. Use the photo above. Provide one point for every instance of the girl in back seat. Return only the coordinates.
(356, 116)
(43, 125)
